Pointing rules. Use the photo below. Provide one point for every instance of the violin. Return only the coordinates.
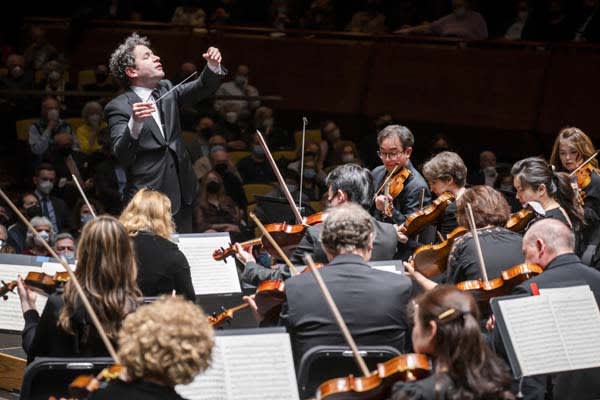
(286, 235)
(583, 175)
(484, 290)
(431, 259)
(83, 385)
(518, 221)
(38, 281)
(418, 220)
(393, 186)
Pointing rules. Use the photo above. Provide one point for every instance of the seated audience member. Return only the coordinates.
(368, 20)
(34, 246)
(161, 345)
(215, 211)
(587, 23)
(276, 137)
(204, 128)
(255, 168)
(487, 173)
(232, 181)
(518, 28)
(162, 267)
(42, 132)
(87, 134)
(40, 50)
(29, 205)
(64, 246)
(4, 247)
(347, 238)
(55, 82)
(240, 86)
(203, 164)
(311, 150)
(463, 23)
(319, 16)
(189, 13)
(330, 137)
(232, 128)
(107, 272)
(81, 214)
(53, 208)
(104, 83)
(346, 153)
(446, 327)
(17, 78)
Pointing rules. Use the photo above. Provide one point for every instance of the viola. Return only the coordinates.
(38, 281)
(431, 259)
(418, 220)
(83, 385)
(484, 290)
(518, 221)
(393, 186)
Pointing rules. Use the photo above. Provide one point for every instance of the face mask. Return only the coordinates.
(213, 187)
(45, 187)
(54, 76)
(85, 218)
(94, 119)
(258, 151)
(68, 257)
(348, 158)
(206, 133)
(53, 115)
(268, 123)
(460, 12)
(101, 77)
(311, 154)
(506, 188)
(34, 211)
(221, 168)
(240, 80)
(44, 235)
(292, 187)
(310, 173)
(17, 72)
(490, 172)
(522, 15)
(231, 117)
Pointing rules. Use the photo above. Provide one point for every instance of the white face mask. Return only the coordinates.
(45, 187)
(54, 76)
(231, 117)
(43, 235)
(53, 115)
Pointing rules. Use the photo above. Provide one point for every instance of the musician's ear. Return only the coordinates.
(131, 72)
(408, 151)
(343, 196)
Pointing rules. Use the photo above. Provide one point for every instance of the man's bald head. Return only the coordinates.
(547, 239)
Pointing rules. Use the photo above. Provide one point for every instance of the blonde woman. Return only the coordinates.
(161, 345)
(107, 271)
(162, 266)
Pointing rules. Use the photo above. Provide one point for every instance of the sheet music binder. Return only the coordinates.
(503, 330)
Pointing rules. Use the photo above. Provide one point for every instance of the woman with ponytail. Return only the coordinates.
(446, 327)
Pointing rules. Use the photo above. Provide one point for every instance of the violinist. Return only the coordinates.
(348, 183)
(395, 148)
(107, 271)
(446, 172)
(446, 327)
(551, 244)
(501, 248)
(571, 149)
(162, 344)
(535, 180)
(373, 303)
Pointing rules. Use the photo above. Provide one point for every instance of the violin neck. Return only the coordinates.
(251, 242)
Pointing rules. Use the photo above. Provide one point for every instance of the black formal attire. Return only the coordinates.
(57, 211)
(372, 303)
(385, 246)
(156, 160)
(42, 337)
(117, 389)
(564, 271)
(435, 387)
(253, 171)
(17, 234)
(590, 234)
(501, 249)
(447, 223)
(107, 185)
(409, 200)
(162, 267)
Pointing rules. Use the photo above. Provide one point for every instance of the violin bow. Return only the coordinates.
(82, 193)
(473, 228)
(73, 278)
(304, 123)
(76, 175)
(336, 313)
(284, 188)
(287, 261)
(386, 181)
(583, 164)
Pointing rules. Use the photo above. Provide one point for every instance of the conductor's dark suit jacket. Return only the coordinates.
(155, 161)
(372, 303)
(384, 248)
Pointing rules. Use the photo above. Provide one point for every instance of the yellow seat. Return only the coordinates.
(289, 155)
(251, 208)
(312, 135)
(39, 76)
(252, 189)
(22, 127)
(235, 156)
(75, 123)
(316, 205)
(86, 77)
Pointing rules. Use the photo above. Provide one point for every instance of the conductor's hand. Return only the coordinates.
(141, 111)
(26, 295)
(212, 56)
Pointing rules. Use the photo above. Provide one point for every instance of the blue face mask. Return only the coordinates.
(85, 218)
(258, 151)
(69, 257)
(310, 173)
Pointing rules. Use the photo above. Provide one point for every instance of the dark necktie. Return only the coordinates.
(156, 96)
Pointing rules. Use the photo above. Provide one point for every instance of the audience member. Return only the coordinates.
(34, 246)
(587, 22)
(87, 133)
(368, 20)
(231, 127)
(487, 173)
(40, 51)
(42, 132)
(276, 137)
(5, 248)
(240, 86)
(203, 164)
(517, 30)
(103, 83)
(232, 181)
(18, 77)
(189, 13)
(53, 208)
(255, 167)
(29, 205)
(64, 245)
(199, 147)
(346, 152)
(319, 16)
(330, 136)
(55, 82)
(81, 214)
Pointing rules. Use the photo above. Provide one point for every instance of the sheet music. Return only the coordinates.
(209, 276)
(11, 316)
(553, 332)
(387, 268)
(247, 367)
(52, 268)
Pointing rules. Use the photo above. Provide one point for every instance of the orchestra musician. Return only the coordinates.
(373, 302)
(346, 183)
(535, 180)
(107, 271)
(162, 344)
(501, 248)
(162, 267)
(446, 327)
(572, 148)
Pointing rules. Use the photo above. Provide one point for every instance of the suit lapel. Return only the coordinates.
(149, 123)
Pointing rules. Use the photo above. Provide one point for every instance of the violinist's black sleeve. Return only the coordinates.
(254, 273)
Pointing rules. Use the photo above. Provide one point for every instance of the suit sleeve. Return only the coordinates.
(124, 145)
(254, 273)
(203, 87)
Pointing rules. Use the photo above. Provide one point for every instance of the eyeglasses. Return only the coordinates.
(389, 156)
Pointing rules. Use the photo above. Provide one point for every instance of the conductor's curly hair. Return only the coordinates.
(169, 340)
(123, 58)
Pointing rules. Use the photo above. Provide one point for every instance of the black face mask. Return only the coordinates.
(221, 168)
(101, 78)
(34, 211)
(206, 133)
(213, 187)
